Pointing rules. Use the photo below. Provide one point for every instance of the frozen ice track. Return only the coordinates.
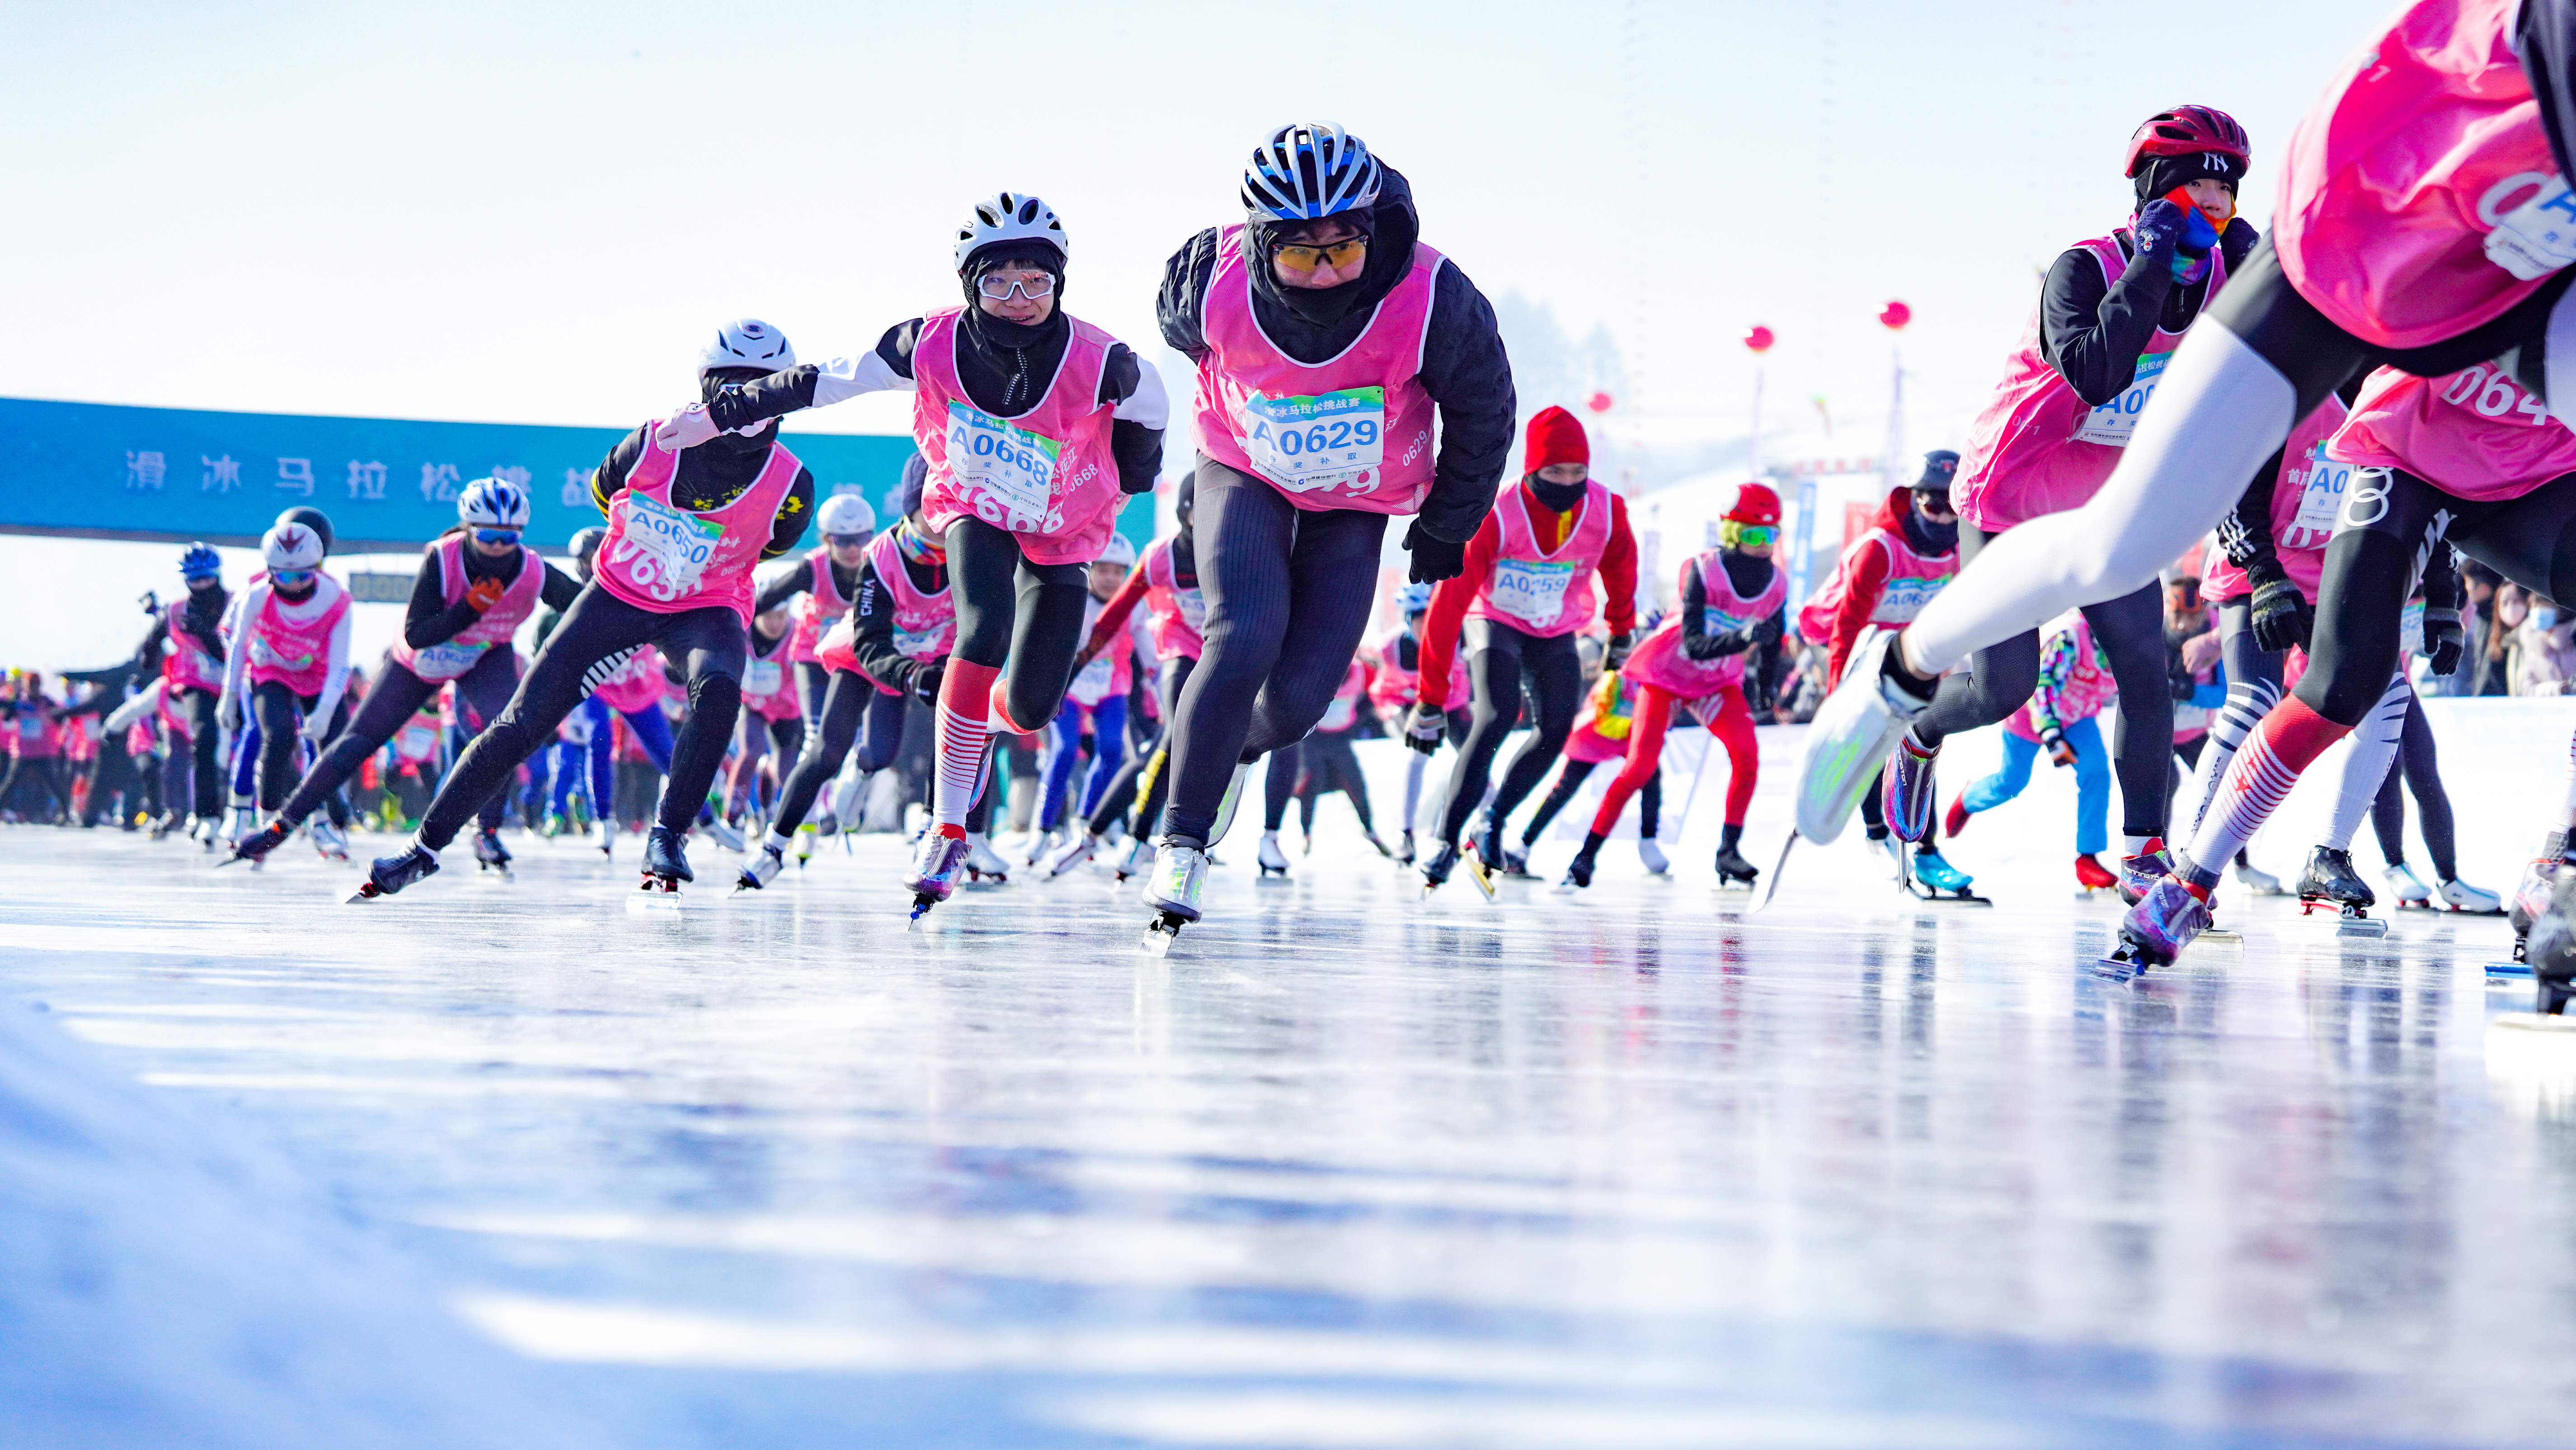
(1348, 1169)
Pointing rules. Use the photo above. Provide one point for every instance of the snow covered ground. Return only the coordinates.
(508, 1164)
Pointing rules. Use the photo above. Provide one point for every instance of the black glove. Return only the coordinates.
(1620, 644)
(1767, 631)
(2237, 242)
(925, 681)
(2281, 618)
(2444, 641)
(1433, 559)
(1718, 646)
(1424, 724)
(2159, 229)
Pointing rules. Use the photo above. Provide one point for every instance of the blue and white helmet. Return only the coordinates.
(492, 503)
(1308, 170)
(747, 342)
(200, 562)
(1412, 598)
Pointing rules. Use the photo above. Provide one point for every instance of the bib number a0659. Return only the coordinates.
(1008, 465)
(1317, 441)
(1531, 589)
(662, 550)
(2115, 421)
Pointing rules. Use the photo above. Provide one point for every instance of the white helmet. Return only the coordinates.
(844, 514)
(747, 343)
(1307, 170)
(492, 503)
(291, 546)
(1120, 550)
(1010, 217)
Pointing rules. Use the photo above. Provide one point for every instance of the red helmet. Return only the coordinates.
(2186, 129)
(1755, 503)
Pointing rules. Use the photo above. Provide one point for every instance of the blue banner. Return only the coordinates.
(95, 471)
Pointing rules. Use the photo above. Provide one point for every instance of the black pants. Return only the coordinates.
(1650, 800)
(1020, 618)
(1288, 595)
(2390, 523)
(1331, 765)
(1144, 777)
(856, 712)
(193, 773)
(2131, 632)
(756, 737)
(398, 695)
(1502, 665)
(35, 787)
(2420, 765)
(1279, 784)
(588, 645)
(281, 713)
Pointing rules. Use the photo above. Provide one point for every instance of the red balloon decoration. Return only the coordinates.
(1599, 402)
(1894, 316)
(1759, 338)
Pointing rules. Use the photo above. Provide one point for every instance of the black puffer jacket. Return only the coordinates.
(1464, 368)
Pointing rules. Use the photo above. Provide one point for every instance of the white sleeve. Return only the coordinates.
(844, 378)
(237, 649)
(1148, 405)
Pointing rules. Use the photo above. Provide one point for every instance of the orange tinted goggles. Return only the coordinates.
(1303, 257)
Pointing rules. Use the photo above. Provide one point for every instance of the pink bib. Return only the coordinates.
(668, 560)
(1173, 615)
(2038, 448)
(296, 654)
(1659, 661)
(637, 684)
(1351, 432)
(2426, 141)
(2474, 435)
(925, 625)
(1112, 672)
(2305, 499)
(1912, 580)
(769, 679)
(1047, 475)
(1397, 688)
(1536, 591)
(816, 608)
(453, 657)
(185, 664)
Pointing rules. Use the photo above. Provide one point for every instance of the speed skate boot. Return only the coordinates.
(1404, 848)
(1652, 856)
(1075, 852)
(935, 866)
(1138, 855)
(1497, 854)
(2329, 878)
(1734, 870)
(2158, 927)
(983, 863)
(2091, 875)
(389, 874)
(1908, 796)
(665, 864)
(1172, 889)
(1040, 844)
(1955, 819)
(1853, 732)
(491, 855)
(1436, 868)
(1578, 872)
(327, 839)
(2256, 880)
(2460, 896)
(725, 833)
(2530, 900)
(256, 846)
(2141, 872)
(1935, 879)
(2405, 887)
(1272, 860)
(764, 868)
(2552, 947)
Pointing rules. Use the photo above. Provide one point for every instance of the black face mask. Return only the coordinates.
(1324, 306)
(1930, 537)
(1558, 497)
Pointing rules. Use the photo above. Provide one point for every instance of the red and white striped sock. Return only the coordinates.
(2289, 738)
(965, 729)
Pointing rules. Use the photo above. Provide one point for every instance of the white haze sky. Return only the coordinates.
(534, 212)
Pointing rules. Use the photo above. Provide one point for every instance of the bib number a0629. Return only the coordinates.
(1317, 441)
(2115, 421)
(1009, 465)
(1531, 589)
(662, 550)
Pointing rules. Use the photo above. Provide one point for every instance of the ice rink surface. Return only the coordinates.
(1627, 1168)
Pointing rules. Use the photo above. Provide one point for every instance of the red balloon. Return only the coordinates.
(1759, 338)
(1599, 402)
(1895, 315)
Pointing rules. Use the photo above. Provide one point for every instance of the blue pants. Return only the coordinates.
(600, 755)
(1108, 751)
(2092, 782)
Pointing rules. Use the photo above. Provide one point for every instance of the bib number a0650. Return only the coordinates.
(2115, 421)
(662, 550)
(1318, 441)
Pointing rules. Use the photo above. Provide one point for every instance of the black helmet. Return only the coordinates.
(1939, 467)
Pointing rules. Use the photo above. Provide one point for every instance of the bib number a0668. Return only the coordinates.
(662, 550)
(1317, 441)
(2115, 421)
(1008, 465)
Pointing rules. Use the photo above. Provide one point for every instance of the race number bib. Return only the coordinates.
(1193, 606)
(2320, 501)
(1531, 589)
(1314, 442)
(914, 644)
(446, 661)
(2536, 237)
(2410, 628)
(1008, 464)
(1094, 680)
(265, 654)
(663, 550)
(763, 677)
(2114, 421)
(419, 741)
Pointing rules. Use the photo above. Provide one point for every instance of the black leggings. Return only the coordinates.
(756, 737)
(398, 695)
(1650, 799)
(1500, 661)
(2420, 764)
(590, 643)
(1279, 785)
(196, 754)
(1331, 765)
(1288, 595)
(280, 713)
(2131, 632)
(29, 776)
(854, 711)
(1020, 618)
(1142, 779)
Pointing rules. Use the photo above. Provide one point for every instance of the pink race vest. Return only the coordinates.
(925, 625)
(296, 654)
(2088, 690)
(816, 608)
(2038, 448)
(668, 560)
(1912, 580)
(768, 684)
(1113, 671)
(1659, 661)
(1396, 688)
(1173, 615)
(1536, 591)
(1344, 712)
(2418, 176)
(1046, 475)
(185, 665)
(1351, 432)
(2305, 500)
(637, 685)
(2474, 435)
(453, 657)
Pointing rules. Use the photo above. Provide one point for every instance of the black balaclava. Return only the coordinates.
(1556, 497)
(1926, 535)
(1019, 358)
(1323, 307)
(2162, 174)
(2544, 39)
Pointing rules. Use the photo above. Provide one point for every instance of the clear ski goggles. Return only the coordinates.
(496, 536)
(1000, 285)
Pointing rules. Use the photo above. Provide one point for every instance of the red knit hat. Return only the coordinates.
(1555, 436)
(1755, 503)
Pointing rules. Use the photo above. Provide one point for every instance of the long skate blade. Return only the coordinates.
(368, 892)
(2518, 970)
(2119, 966)
(1778, 868)
(2216, 937)
(2370, 927)
(1160, 934)
(1477, 873)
